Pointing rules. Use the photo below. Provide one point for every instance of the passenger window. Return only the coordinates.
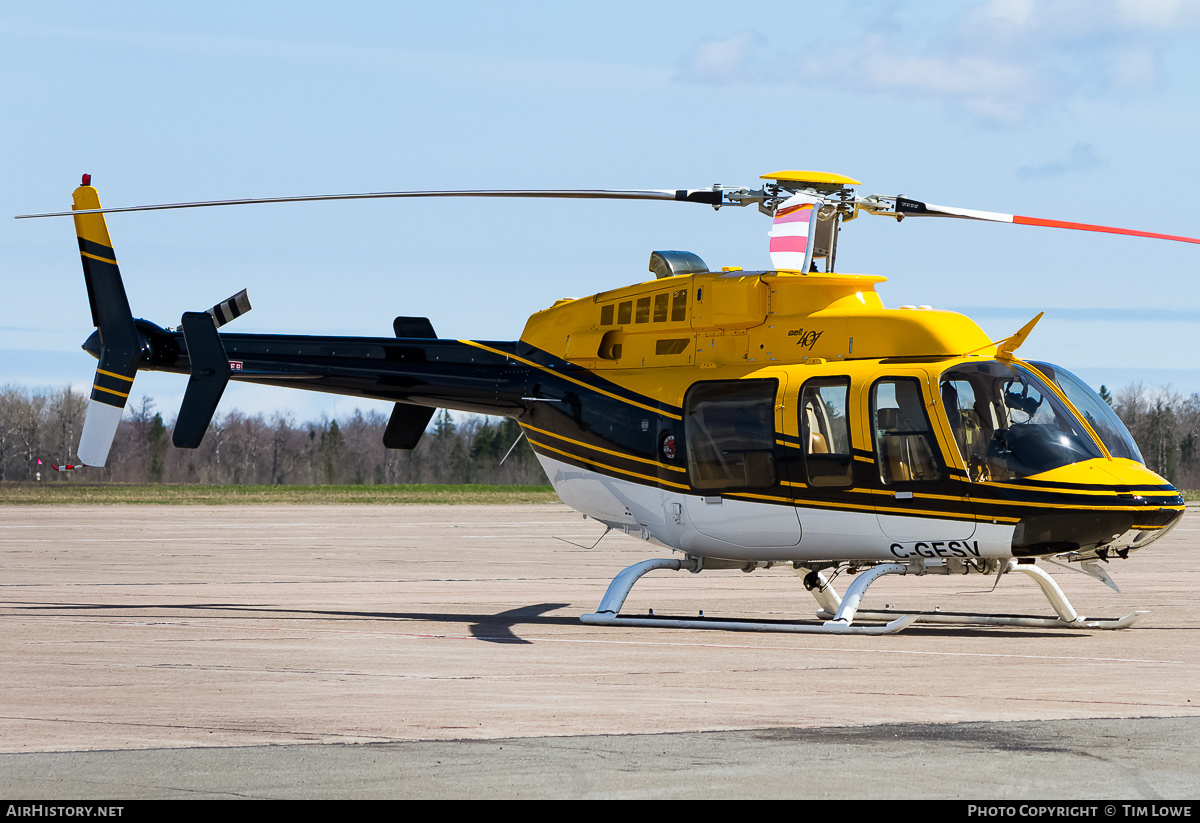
(660, 307)
(825, 432)
(642, 312)
(624, 313)
(679, 306)
(904, 442)
(730, 434)
(606, 315)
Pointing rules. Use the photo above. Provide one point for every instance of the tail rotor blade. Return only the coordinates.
(110, 393)
(120, 349)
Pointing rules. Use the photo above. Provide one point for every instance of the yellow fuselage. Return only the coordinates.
(827, 352)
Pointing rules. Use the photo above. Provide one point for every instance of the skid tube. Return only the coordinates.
(839, 613)
(1067, 617)
(610, 607)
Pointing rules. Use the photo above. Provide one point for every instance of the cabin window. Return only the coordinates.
(660, 307)
(825, 432)
(606, 314)
(906, 449)
(679, 306)
(625, 313)
(1099, 415)
(729, 428)
(642, 313)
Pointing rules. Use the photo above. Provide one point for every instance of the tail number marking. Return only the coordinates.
(938, 548)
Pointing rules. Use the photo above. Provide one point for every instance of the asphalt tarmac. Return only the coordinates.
(425, 651)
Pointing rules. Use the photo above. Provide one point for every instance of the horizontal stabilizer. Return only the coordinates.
(210, 374)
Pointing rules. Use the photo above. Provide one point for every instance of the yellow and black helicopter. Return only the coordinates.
(744, 419)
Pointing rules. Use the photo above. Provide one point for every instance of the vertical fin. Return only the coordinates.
(408, 422)
(406, 425)
(210, 375)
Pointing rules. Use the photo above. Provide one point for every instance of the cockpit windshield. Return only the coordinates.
(1009, 424)
(1099, 415)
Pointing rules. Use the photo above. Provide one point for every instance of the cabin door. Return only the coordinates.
(735, 465)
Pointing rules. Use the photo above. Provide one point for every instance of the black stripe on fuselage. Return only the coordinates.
(551, 366)
(1033, 483)
(568, 444)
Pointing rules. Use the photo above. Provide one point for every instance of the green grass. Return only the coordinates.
(69, 493)
(73, 493)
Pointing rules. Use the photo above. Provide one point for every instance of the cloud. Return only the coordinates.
(1081, 157)
(714, 61)
(1000, 62)
(981, 85)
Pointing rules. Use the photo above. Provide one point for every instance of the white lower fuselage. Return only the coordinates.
(729, 528)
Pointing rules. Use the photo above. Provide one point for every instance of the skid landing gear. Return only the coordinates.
(839, 613)
(1067, 617)
(609, 612)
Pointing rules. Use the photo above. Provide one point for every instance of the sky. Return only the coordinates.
(1078, 111)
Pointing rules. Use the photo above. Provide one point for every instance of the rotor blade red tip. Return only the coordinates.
(1062, 224)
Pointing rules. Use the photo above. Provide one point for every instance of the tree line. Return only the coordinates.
(1166, 427)
(240, 449)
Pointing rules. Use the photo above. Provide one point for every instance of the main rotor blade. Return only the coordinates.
(906, 207)
(712, 197)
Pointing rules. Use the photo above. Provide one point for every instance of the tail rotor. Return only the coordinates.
(120, 346)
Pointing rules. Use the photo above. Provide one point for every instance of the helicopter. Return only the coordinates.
(741, 419)
(65, 467)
